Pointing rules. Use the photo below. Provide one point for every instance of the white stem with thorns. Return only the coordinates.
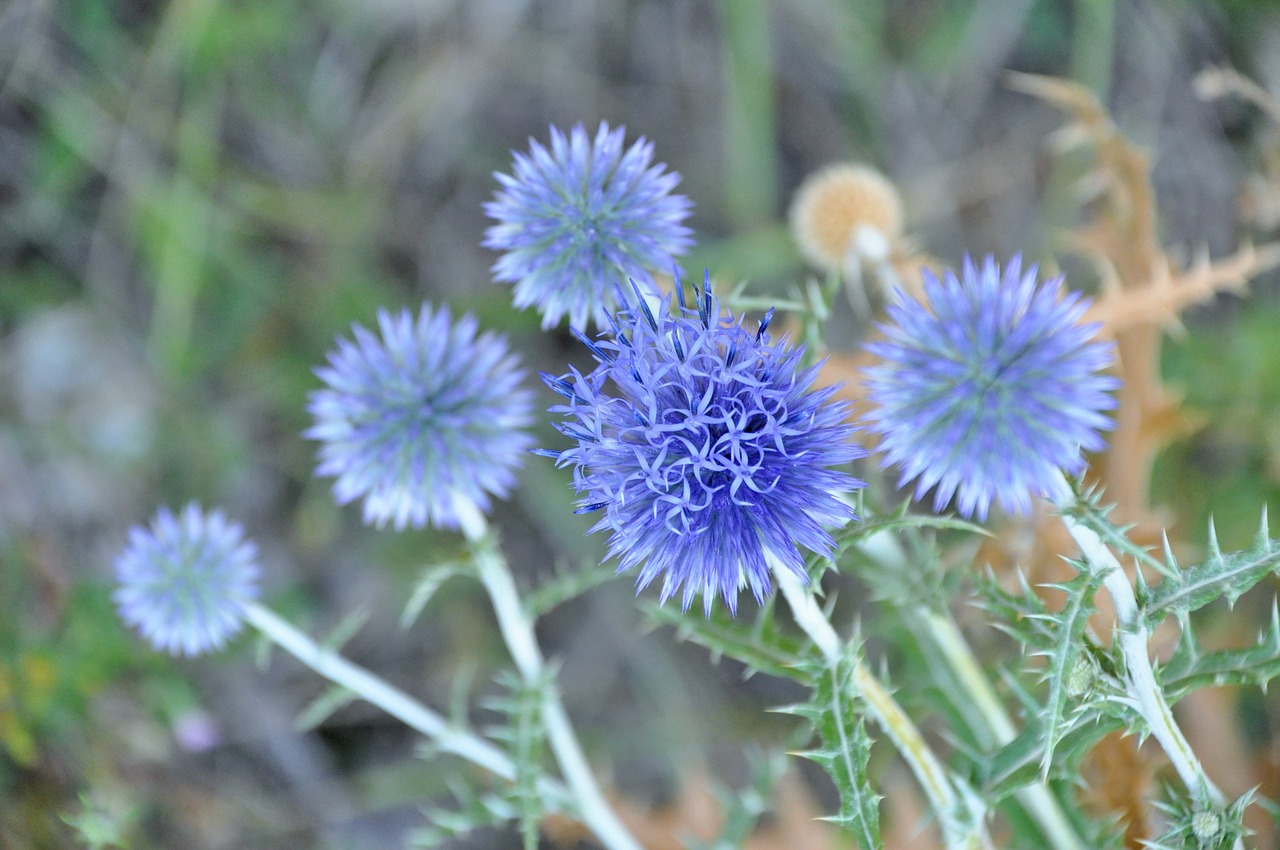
(1140, 678)
(392, 700)
(517, 632)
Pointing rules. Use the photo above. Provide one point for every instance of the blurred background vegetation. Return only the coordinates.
(197, 195)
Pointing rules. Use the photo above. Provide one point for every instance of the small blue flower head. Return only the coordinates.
(423, 421)
(990, 389)
(184, 582)
(706, 449)
(577, 221)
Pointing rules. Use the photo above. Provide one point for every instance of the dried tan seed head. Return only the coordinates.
(845, 209)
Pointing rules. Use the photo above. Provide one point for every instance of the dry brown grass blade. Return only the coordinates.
(1128, 212)
(1162, 302)
(1143, 293)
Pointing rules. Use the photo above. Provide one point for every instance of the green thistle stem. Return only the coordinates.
(392, 700)
(517, 632)
(1140, 679)
(941, 630)
(961, 819)
(1038, 800)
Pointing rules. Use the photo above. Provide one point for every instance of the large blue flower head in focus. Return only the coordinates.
(706, 448)
(183, 583)
(424, 421)
(575, 222)
(990, 389)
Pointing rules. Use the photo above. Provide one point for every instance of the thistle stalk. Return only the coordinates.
(960, 816)
(1139, 679)
(517, 632)
(395, 702)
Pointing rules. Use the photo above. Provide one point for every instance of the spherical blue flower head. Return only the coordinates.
(990, 389)
(706, 448)
(424, 421)
(184, 582)
(577, 221)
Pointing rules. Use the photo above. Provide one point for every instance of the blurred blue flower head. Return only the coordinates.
(424, 421)
(990, 389)
(575, 222)
(706, 448)
(183, 582)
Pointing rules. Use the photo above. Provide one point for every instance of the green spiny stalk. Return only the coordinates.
(522, 705)
(1064, 658)
(837, 715)
(1142, 689)
(517, 632)
(960, 812)
(928, 617)
(443, 735)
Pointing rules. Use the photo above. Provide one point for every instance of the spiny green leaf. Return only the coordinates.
(1222, 575)
(522, 705)
(1191, 668)
(758, 644)
(431, 580)
(566, 585)
(322, 707)
(1064, 656)
(1021, 761)
(474, 809)
(900, 520)
(846, 748)
(904, 567)
(1095, 517)
(1022, 615)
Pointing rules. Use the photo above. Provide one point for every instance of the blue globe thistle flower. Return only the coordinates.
(990, 389)
(423, 422)
(184, 582)
(706, 448)
(577, 221)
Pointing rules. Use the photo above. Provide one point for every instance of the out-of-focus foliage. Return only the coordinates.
(196, 197)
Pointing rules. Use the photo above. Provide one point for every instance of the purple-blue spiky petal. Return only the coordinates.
(423, 421)
(183, 582)
(576, 221)
(707, 449)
